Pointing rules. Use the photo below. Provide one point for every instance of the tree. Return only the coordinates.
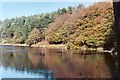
(34, 37)
(70, 9)
(116, 6)
(61, 11)
(80, 6)
(53, 27)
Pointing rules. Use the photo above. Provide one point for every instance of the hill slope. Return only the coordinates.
(91, 26)
(75, 27)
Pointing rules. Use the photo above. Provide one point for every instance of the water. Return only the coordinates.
(24, 62)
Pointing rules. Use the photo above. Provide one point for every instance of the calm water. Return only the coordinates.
(24, 62)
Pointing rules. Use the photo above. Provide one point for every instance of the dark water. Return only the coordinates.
(24, 62)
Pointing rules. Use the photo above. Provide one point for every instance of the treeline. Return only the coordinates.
(91, 27)
(17, 30)
(75, 27)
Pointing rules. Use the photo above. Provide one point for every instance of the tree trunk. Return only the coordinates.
(116, 6)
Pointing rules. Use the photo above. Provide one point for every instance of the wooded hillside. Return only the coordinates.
(75, 27)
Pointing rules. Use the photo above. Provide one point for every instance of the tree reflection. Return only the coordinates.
(52, 64)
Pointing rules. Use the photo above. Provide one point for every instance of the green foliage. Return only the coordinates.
(80, 6)
(74, 26)
(61, 11)
(34, 37)
(18, 29)
(70, 9)
(7, 40)
(92, 28)
(60, 35)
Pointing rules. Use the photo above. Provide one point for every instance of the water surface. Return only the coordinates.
(24, 62)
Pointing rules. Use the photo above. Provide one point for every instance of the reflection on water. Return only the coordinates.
(52, 63)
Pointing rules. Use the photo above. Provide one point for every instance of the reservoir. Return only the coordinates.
(26, 62)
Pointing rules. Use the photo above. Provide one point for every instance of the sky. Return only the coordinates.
(17, 9)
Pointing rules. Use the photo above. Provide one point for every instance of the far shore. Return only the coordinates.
(36, 45)
(10, 44)
(60, 46)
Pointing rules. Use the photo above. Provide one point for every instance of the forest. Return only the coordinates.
(74, 27)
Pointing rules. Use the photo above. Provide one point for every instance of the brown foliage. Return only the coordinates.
(34, 36)
(88, 26)
(58, 22)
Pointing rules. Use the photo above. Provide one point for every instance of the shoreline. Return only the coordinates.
(9, 44)
(61, 46)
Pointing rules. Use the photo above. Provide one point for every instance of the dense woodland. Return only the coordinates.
(73, 26)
